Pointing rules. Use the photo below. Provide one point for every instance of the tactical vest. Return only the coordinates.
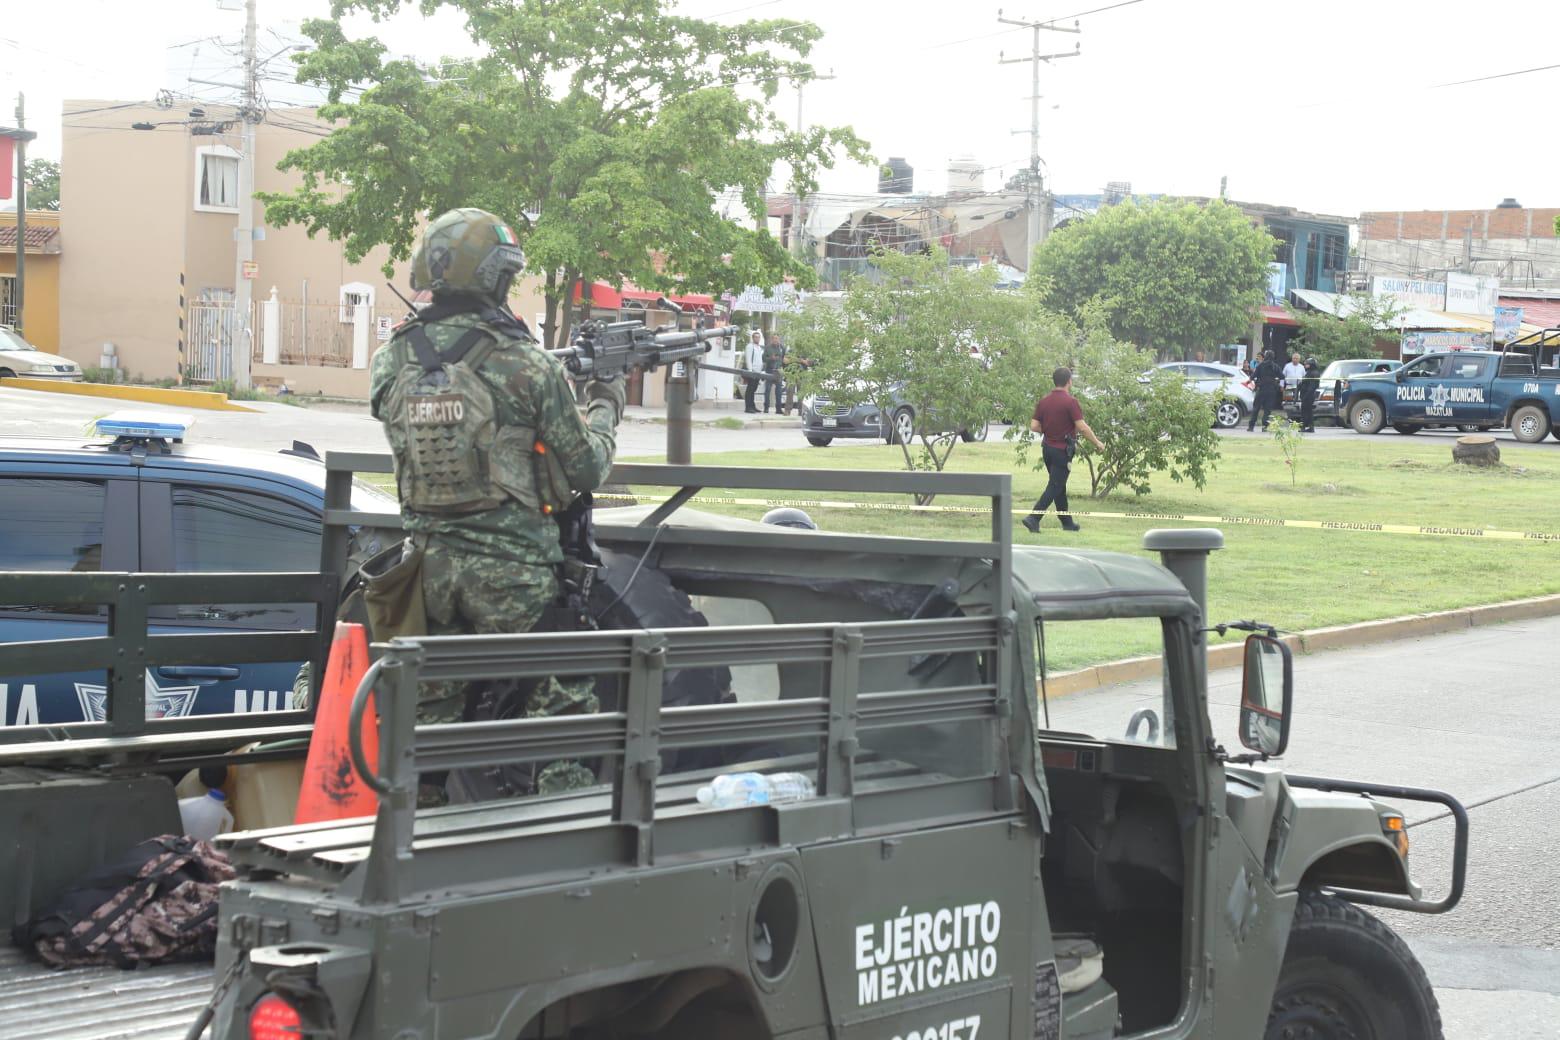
(452, 456)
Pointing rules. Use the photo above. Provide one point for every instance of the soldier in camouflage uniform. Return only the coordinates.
(488, 444)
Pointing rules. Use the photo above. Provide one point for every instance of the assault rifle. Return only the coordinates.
(602, 350)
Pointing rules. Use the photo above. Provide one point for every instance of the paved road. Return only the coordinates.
(344, 427)
(1471, 713)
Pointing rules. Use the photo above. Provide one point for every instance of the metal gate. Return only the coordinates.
(213, 335)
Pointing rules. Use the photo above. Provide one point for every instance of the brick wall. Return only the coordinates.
(1423, 225)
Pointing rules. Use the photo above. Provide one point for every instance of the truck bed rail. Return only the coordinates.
(638, 815)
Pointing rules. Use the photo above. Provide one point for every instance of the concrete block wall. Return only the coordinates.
(1516, 244)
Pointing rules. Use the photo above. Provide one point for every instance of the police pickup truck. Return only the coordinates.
(140, 499)
(1478, 389)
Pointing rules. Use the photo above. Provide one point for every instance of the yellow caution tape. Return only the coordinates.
(1225, 521)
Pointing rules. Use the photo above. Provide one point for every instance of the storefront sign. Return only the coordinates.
(1471, 293)
(757, 301)
(1278, 276)
(1508, 321)
(1430, 342)
(1410, 292)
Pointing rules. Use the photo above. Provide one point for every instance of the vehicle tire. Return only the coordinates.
(975, 436)
(1555, 433)
(1367, 416)
(1406, 428)
(901, 426)
(1347, 976)
(1529, 424)
(1229, 414)
(6, 373)
(819, 442)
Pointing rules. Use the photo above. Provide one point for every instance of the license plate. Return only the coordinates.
(830, 423)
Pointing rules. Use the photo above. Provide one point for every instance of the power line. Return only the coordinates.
(1498, 75)
(1059, 18)
(739, 10)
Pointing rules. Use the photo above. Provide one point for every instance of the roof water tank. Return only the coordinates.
(895, 177)
(966, 175)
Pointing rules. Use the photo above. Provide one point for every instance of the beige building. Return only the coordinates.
(153, 214)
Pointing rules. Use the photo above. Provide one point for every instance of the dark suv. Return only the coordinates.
(100, 507)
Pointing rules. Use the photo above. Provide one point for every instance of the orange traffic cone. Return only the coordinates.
(332, 789)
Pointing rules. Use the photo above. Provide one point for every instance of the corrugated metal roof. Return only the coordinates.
(40, 1003)
(1412, 318)
(1544, 313)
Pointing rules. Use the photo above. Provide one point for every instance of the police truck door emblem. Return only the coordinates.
(174, 702)
(1438, 395)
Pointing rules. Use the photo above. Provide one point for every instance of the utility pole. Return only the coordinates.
(244, 233)
(1039, 198)
(21, 136)
(796, 184)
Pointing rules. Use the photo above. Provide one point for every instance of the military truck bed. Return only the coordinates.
(40, 1003)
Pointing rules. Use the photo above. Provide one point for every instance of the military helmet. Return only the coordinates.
(788, 516)
(467, 251)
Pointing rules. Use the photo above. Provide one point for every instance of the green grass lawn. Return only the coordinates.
(1294, 578)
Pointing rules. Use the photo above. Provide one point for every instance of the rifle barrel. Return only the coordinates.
(691, 336)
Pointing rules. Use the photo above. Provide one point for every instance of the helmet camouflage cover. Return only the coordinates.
(467, 251)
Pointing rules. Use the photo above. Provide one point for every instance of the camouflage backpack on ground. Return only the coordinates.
(156, 906)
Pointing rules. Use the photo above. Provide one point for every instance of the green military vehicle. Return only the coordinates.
(966, 864)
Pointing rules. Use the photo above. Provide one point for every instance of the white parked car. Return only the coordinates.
(20, 358)
(1212, 378)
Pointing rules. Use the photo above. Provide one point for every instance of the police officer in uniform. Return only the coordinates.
(488, 446)
(1310, 385)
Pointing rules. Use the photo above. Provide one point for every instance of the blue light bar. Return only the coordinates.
(145, 425)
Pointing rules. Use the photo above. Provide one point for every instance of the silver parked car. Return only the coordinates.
(1212, 378)
(20, 358)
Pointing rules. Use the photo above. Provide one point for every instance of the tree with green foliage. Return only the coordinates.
(1149, 420)
(1174, 277)
(43, 184)
(935, 342)
(1363, 326)
(601, 129)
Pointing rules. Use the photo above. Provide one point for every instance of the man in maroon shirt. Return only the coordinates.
(1058, 419)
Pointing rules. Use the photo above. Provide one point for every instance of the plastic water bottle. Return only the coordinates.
(207, 816)
(730, 790)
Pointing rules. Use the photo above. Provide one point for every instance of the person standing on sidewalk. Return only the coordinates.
(772, 354)
(1310, 384)
(753, 361)
(1269, 394)
(1058, 419)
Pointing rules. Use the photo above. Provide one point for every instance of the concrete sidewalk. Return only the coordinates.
(706, 413)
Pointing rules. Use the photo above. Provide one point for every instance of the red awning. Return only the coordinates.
(1274, 315)
(601, 295)
(694, 301)
(604, 296)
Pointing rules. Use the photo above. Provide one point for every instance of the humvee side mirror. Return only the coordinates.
(1266, 692)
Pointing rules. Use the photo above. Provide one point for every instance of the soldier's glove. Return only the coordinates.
(612, 394)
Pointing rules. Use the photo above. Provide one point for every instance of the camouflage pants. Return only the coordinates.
(467, 594)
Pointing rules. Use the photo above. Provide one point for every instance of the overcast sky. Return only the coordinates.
(1328, 106)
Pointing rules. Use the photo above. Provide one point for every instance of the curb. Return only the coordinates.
(205, 399)
(1337, 637)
